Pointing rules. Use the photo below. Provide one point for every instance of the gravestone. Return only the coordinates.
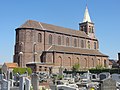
(1, 77)
(103, 76)
(5, 85)
(108, 84)
(61, 70)
(94, 77)
(35, 81)
(116, 77)
(86, 76)
(22, 83)
(28, 84)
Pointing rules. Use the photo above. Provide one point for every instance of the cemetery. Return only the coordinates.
(44, 81)
(24, 79)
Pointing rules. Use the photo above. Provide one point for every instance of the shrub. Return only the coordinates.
(22, 70)
(60, 77)
(76, 67)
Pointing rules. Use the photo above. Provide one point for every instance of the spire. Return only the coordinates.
(86, 16)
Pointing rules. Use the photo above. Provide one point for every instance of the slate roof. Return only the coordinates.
(76, 50)
(43, 26)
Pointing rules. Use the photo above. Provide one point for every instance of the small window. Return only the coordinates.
(21, 47)
(82, 44)
(50, 39)
(92, 29)
(95, 46)
(93, 62)
(17, 36)
(59, 40)
(75, 43)
(89, 44)
(40, 68)
(67, 41)
(98, 61)
(40, 37)
(105, 63)
(85, 62)
(45, 68)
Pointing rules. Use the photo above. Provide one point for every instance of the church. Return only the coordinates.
(46, 47)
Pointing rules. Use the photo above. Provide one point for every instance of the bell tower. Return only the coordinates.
(87, 25)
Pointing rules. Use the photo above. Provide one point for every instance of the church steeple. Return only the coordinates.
(87, 25)
(86, 15)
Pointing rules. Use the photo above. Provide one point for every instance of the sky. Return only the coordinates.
(66, 13)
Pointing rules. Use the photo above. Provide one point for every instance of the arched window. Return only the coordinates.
(75, 43)
(89, 44)
(34, 51)
(105, 63)
(82, 44)
(85, 63)
(98, 61)
(92, 29)
(34, 47)
(20, 47)
(39, 37)
(59, 40)
(17, 36)
(95, 46)
(93, 62)
(77, 60)
(28, 36)
(60, 60)
(67, 41)
(69, 60)
(19, 60)
(50, 39)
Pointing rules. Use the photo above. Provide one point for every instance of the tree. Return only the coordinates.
(76, 67)
(99, 67)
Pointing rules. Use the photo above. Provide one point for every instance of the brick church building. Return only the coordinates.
(46, 47)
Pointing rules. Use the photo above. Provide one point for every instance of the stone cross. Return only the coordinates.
(108, 84)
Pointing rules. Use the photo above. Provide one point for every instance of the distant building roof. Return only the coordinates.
(11, 65)
(113, 63)
(110, 62)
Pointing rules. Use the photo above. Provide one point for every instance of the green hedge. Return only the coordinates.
(111, 71)
(96, 71)
(71, 72)
(22, 70)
